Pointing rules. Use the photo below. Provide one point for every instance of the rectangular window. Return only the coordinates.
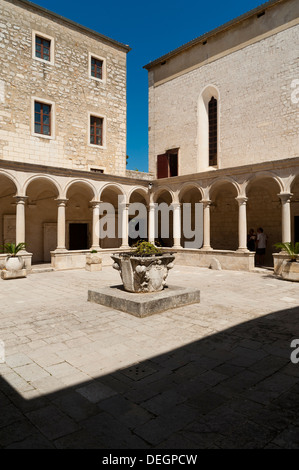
(97, 170)
(167, 164)
(42, 48)
(42, 118)
(96, 130)
(96, 70)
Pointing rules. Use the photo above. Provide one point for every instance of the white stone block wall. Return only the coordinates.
(258, 119)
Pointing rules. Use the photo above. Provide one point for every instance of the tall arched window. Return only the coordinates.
(209, 154)
(212, 116)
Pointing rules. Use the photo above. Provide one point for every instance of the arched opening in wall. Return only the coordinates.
(7, 210)
(208, 128)
(110, 232)
(138, 228)
(295, 210)
(190, 197)
(264, 210)
(79, 216)
(224, 216)
(164, 219)
(41, 219)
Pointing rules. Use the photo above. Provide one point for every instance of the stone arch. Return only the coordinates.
(224, 214)
(117, 188)
(161, 190)
(79, 217)
(264, 209)
(224, 180)
(186, 187)
(209, 92)
(41, 217)
(265, 175)
(164, 197)
(8, 189)
(82, 183)
(143, 192)
(189, 196)
(295, 209)
(141, 196)
(114, 195)
(42, 177)
(13, 180)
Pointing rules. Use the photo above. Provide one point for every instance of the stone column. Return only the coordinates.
(20, 219)
(61, 224)
(125, 225)
(176, 225)
(285, 198)
(95, 225)
(151, 223)
(242, 200)
(206, 225)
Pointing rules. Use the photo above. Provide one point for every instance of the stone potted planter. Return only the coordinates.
(289, 269)
(13, 262)
(143, 269)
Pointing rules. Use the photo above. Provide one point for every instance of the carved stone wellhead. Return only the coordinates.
(143, 273)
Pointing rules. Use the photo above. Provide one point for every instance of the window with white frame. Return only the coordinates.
(97, 67)
(43, 118)
(96, 133)
(42, 47)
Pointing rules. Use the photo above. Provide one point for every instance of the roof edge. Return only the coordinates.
(27, 3)
(213, 32)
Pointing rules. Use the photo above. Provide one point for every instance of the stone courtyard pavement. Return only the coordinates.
(216, 374)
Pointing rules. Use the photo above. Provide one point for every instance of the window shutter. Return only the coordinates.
(162, 166)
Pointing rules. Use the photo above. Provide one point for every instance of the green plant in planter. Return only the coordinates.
(93, 251)
(143, 248)
(291, 249)
(12, 249)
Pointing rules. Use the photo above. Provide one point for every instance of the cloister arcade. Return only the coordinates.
(60, 215)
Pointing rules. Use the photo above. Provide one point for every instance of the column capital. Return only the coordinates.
(20, 199)
(61, 201)
(95, 204)
(241, 200)
(176, 205)
(206, 202)
(285, 197)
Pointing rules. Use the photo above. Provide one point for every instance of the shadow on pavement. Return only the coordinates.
(234, 389)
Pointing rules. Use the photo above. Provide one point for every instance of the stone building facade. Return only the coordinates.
(62, 136)
(223, 132)
(66, 83)
(224, 127)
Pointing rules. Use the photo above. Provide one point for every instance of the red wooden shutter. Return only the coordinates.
(162, 166)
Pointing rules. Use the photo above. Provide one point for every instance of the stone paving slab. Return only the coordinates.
(216, 374)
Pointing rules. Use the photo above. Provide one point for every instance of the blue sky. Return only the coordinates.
(151, 29)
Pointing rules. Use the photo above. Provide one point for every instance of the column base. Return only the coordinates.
(95, 248)
(206, 248)
(242, 250)
(124, 247)
(60, 250)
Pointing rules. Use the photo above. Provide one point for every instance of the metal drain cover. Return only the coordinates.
(138, 371)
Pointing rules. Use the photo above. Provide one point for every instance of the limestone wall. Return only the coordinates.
(258, 115)
(67, 84)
